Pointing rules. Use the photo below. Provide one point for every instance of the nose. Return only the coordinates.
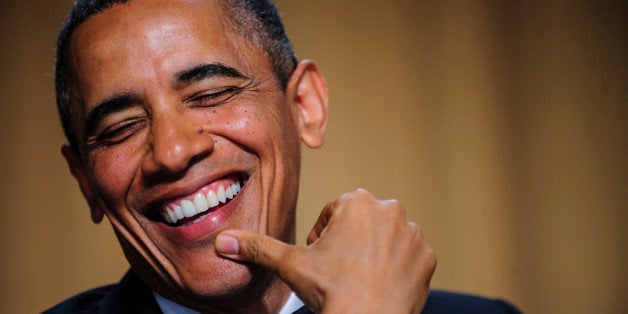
(174, 144)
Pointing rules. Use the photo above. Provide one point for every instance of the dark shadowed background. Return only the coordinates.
(500, 125)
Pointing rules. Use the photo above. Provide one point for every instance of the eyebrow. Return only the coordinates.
(206, 71)
(122, 101)
(107, 107)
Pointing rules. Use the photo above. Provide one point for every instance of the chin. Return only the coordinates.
(234, 285)
(225, 279)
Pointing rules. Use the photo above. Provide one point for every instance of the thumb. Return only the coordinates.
(288, 261)
(251, 247)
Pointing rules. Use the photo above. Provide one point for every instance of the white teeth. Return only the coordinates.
(178, 212)
(164, 214)
(199, 218)
(221, 195)
(200, 203)
(212, 199)
(229, 193)
(188, 208)
(171, 215)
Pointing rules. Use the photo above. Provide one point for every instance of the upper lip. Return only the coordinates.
(179, 189)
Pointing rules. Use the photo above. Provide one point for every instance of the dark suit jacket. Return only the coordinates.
(130, 295)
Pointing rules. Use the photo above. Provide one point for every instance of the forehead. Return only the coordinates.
(143, 40)
(149, 24)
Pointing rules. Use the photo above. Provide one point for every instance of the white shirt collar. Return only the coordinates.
(292, 305)
(169, 307)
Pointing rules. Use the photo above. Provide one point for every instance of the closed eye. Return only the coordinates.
(117, 132)
(215, 97)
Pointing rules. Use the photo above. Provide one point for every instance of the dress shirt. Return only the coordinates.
(170, 307)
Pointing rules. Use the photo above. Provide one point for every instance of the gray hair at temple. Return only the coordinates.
(258, 21)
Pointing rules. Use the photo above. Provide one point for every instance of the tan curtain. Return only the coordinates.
(500, 125)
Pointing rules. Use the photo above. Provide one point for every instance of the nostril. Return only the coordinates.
(174, 158)
(175, 143)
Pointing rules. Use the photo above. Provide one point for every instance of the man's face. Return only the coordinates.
(175, 115)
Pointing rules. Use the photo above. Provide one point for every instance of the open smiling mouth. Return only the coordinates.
(198, 206)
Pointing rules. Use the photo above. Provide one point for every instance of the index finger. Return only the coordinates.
(321, 222)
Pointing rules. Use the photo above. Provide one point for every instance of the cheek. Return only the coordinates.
(271, 135)
(113, 174)
(248, 126)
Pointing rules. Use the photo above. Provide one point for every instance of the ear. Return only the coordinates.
(307, 94)
(78, 170)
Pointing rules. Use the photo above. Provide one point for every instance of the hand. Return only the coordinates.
(363, 256)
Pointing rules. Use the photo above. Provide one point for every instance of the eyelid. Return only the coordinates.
(217, 95)
(111, 106)
(119, 122)
(119, 125)
(114, 117)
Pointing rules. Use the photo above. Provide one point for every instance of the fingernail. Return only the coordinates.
(226, 244)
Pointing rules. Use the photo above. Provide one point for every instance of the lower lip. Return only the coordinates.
(206, 228)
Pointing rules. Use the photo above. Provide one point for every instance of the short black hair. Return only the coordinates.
(258, 21)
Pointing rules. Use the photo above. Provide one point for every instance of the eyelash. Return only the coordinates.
(122, 131)
(127, 128)
(216, 98)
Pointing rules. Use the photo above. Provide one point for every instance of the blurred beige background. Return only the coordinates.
(501, 126)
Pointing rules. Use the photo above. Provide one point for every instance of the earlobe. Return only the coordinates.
(78, 170)
(308, 94)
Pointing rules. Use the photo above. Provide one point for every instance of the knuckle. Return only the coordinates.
(432, 261)
(359, 194)
(253, 250)
(419, 235)
(418, 232)
(394, 209)
(427, 252)
(414, 228)
(395, 206)
(346, 196)
(357, 200)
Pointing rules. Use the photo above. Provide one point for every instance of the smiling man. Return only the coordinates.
(184, 122)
